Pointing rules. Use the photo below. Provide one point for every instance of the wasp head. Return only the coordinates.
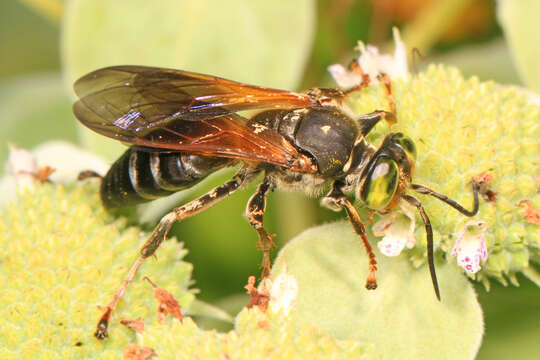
(381, 177)
(387, 174)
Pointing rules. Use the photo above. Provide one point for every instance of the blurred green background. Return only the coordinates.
(46, 44)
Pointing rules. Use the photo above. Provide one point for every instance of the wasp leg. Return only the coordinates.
(337, 200)
(162, 229)
(255, 214)
(355, 67)
(385, 79)
(429, 235)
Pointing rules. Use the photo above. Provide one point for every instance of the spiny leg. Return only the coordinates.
(385, 79)
(355, 67)
(160, 233)
(255, 214)
(356, 221)
(337, 200)
(429, 234)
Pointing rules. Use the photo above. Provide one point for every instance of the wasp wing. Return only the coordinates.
(185, 111)
(158, 94)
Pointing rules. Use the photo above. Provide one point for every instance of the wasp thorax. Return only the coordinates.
(328, 136)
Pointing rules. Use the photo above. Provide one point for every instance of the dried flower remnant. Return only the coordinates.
(263, 324)
(136, 352)
(22, 165)
(483, 180)
(397, 230)
(470, 246)
(259, 298)
(530, 214)
(137, 325)
(167, 303)
(43, 173)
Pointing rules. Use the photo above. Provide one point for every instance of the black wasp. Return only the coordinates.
(185, 126)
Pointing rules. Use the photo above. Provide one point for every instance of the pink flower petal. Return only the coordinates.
(397, 230)
(470, 246)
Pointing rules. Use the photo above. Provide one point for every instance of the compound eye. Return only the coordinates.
(381, 184)
(406, 144)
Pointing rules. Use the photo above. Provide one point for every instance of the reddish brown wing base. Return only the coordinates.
(185, 111)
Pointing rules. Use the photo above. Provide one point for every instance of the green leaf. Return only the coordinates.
(471, 61)
(259, 42)
(519, 20)
(201, 308)
(402, 317)
(34, 109)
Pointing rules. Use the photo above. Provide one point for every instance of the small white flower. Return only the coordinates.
(397, 229)
(373, 64)
(470, 246)
(283, 293)
(343, 77)
(25, 168)
(22, 165)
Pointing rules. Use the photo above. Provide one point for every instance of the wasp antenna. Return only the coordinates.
(429, 234)
(425, 190)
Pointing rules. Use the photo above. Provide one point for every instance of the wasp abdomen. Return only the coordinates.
(141, 175)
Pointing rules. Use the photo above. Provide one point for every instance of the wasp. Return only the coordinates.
(183, 126)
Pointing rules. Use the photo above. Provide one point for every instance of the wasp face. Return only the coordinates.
(388, 173)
